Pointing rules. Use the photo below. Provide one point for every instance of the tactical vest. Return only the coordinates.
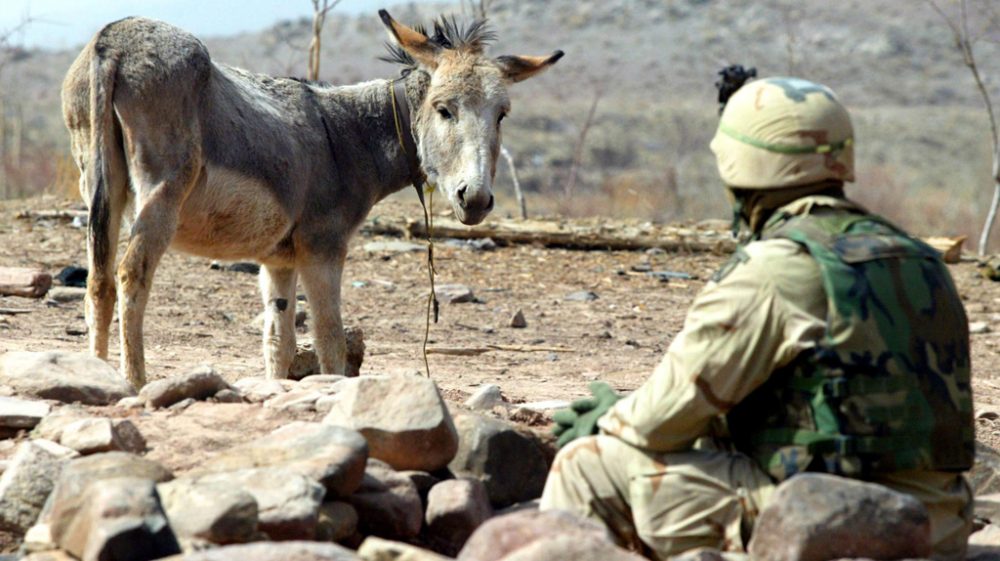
(888, 386)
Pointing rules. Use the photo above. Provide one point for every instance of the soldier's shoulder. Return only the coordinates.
(766, 259)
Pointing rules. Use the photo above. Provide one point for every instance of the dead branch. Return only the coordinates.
(517, 184)
(578, 148)
(474, 351)
(964, 42)
(320, 9)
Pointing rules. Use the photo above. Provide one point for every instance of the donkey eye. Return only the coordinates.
(445, 114)
(500, 118)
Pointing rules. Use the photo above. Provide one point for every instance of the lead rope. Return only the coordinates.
(432, 302)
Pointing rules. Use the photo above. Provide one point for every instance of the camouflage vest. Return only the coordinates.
(888, 386)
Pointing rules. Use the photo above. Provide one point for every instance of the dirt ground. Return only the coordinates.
(198, 315)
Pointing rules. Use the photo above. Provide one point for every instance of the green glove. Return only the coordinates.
(581, 417)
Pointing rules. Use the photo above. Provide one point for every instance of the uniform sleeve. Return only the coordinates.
(737, 332)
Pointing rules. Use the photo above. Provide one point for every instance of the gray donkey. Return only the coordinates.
(227, 164)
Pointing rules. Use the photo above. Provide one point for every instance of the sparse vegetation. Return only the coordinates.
(923, 143)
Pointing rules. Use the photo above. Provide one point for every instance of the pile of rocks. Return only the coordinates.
(356, 468)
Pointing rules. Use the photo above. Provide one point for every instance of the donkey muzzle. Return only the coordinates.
(473, 205)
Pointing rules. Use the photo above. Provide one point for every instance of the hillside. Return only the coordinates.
(923, 149)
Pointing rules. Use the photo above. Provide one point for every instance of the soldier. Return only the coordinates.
(831, 342)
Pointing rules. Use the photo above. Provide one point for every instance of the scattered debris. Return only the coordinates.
(454, 293)
(238, 267)
(666, 276)
(73, 276)
(67, 294)
(394, 246)
(485, 398)
(21, 281)
(950, 248)
(473, 351)
(517, 321)
(581, 296)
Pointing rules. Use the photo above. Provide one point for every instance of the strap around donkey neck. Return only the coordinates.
(404, 132)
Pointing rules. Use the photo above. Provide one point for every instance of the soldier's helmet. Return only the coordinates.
(783, 132)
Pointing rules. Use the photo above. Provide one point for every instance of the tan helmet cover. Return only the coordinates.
(783, 132)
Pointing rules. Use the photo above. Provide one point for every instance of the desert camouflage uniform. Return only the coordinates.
(650, 475)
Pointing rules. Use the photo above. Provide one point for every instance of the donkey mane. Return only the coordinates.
(448, 34)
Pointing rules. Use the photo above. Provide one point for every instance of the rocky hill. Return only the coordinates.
(923, 138)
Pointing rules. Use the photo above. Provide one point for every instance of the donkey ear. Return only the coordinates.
(517, 68)
(415, 43)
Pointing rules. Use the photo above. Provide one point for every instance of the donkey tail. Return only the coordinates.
(103, 69)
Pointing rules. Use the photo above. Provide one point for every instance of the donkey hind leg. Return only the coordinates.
(321, 281)
(100, 301)
(277, 288)
(152, 232)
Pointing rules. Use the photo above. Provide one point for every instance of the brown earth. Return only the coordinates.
(198, 315)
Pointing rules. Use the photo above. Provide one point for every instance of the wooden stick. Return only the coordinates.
(473, 351)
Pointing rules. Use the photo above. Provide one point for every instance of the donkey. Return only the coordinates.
(227, 164)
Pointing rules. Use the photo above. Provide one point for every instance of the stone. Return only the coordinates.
(19, 414)
(39, 538)
(984, 477)
(454, 293)
(201, 383)
(54, 555)
(88, 436)
(52, 426)
(228, 395)
(988, 507)
(517, 320)
(306, 362)
(80, 473)
(403, 418)
(455, 508)
(572, 548)
(511, 464)
(337, 521)
(119, 518)
(62, 376)
(708, 554)
(503, 535)
(581, 296)
(217, 511)
(979, 327)
(424, 481)
(287, 502)
(183, 404)
(394, 246)
(485, 398)
(67, 294)
(272, 551)
(130, 402)
(333, 456)
(258, 390)
(985, 541)
(815, 517)
(388, 504)
(27, 482)
(298, 401)
(378, 549)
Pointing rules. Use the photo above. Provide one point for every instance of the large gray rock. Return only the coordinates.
(984, 477)
(272, 551)
(403, 418)
(503, 535)
(80, 473)
(120, 518)
(21, 414)
(89, 436)
(62, 376)
(572, 548)
(52, 426)
(219, 512)
(334, 456)
(287, 502)
(455, 508)
(388, 504)
(816, 517)
(28, 481)
(378, 549)
(201, 383)
(509, 462)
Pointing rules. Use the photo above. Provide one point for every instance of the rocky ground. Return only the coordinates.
(217, 455)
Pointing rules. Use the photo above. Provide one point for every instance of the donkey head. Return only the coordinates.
(457, 125)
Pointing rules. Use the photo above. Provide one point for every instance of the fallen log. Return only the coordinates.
(564, 234)
(29, 283)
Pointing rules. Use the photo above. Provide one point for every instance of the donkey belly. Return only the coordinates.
(231, 216)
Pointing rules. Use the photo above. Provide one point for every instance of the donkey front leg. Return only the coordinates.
(321, 281)
(277, 288)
